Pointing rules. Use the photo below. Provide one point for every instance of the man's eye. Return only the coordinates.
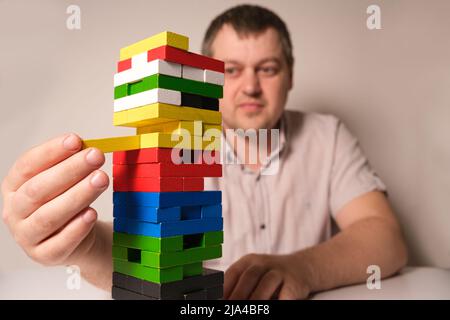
(231, 71)
(269, 71)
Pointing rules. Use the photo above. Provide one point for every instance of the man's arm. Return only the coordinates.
(370, 235)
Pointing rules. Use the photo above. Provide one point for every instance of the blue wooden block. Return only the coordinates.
(191, 212)
(149, 214)
(211, 211)
(199, 212)
(168, 199)
(167, 229)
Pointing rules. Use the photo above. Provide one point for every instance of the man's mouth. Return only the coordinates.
(250, 106)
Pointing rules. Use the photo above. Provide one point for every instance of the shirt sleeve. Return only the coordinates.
(351, 173)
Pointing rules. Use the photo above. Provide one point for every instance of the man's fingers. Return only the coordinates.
(288, 293)
(39, 159)
(53, 215)
(247, 282)
(232, 275)
(56, 249)
(266, 287)
(54, 181)
(231, 278)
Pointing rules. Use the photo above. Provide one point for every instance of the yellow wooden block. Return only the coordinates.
(160, 112)
(113, 144)
(196, 128)
(156, 140)
(169, 127)
(167, 140)
(165, 38)
(120, 117)
(208, 126)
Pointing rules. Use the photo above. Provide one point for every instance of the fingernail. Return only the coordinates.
(89, 216)
(94, 157)
(71, 142)
(99, 180)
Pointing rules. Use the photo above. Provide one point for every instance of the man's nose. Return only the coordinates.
(251, 84)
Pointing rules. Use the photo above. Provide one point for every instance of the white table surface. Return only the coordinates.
(50, 283)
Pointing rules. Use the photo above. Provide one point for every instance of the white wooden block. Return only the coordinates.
(147, 97)
(214, 77)
(139, 60)
(192, 73)
(147, 69)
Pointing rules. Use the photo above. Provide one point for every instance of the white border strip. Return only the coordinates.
(214, 77)
(148, 97)
(201, 75)
(192, 73)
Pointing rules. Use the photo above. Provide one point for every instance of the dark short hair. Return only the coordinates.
(250, 19)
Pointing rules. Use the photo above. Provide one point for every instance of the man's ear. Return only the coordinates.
(291, 74)
(291, 79)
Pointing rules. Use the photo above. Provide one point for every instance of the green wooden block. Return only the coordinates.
(142, 85)
(168, 244)
(153, 274)
(157, 275)
(206, 239)
(171, 83)
(165, 260)
(120, 91)
(120, 253)
(191, 86)
(193, 269)
(126, 254)
(212, 238)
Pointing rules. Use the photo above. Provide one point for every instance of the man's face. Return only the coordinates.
(257, 78)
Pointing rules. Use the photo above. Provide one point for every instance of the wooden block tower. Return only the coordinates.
(165, 224)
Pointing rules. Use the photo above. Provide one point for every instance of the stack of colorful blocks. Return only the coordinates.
(165, 224)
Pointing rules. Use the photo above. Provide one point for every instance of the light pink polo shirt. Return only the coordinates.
(321, 168)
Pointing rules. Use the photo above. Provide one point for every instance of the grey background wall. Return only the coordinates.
(390, 86)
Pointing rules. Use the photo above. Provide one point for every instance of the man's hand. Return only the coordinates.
(261, 276)
(46, 198)
(370, 234)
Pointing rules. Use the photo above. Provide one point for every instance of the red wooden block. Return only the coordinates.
(124, 171)
(208, 157)
(193, 184)
(186, 156)
(164, 155)
(147, 155)
(124, 65)
(154, 184)
(179, 56)
(175, 55)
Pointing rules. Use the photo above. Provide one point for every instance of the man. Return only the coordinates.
(277, 226)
